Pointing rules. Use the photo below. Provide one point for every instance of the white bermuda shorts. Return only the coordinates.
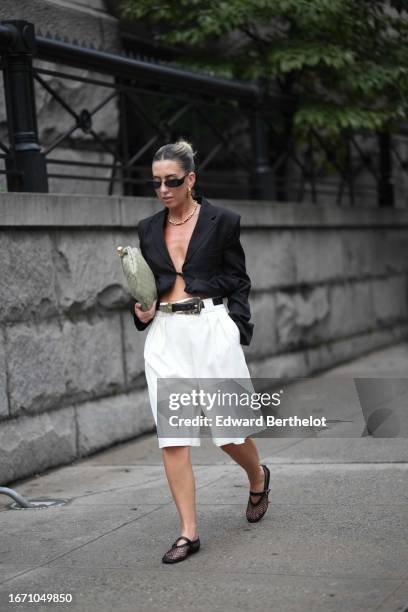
(205, 345)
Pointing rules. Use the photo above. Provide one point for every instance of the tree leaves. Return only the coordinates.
(333, 120)
(297, 55)
(345, 60)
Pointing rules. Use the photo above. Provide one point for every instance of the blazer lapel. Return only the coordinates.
(205, 224)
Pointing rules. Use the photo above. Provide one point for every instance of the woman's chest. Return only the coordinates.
(177, 239)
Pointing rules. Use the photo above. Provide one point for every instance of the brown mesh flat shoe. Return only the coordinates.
(256, 510)
(179, 553)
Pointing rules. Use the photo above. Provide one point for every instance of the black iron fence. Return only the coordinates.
(237, 127)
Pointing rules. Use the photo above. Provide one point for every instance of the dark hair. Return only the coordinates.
(180, 151)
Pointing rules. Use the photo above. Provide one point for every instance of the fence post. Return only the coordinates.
(262, 177)
(25, 163)
(262, 180)
(386, 186)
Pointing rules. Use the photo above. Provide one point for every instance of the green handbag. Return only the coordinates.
(139, 277)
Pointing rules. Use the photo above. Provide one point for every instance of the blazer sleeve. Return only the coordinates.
(238, 299)
(139, 324)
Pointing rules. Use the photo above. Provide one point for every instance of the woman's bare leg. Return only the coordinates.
(180, 476)
(247, 456)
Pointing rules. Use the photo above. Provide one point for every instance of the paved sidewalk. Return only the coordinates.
(334, 537)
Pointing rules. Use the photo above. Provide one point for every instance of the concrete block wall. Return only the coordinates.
(328, 284)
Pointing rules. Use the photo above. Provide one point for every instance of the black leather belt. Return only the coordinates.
(192, 306)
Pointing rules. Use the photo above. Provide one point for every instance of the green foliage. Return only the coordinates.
(335, 119)
(346, 60)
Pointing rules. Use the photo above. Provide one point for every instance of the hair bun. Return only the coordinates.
(180, 151)
(184, 147)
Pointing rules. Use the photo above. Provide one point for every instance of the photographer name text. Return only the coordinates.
(229, 421)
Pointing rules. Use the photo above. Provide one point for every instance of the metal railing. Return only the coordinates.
(241, 124)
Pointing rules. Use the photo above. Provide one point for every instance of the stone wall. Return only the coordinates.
(328, 284)
(86, 20)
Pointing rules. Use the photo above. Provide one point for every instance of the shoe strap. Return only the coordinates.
(266, 472)
(259, 492)
(188, 541)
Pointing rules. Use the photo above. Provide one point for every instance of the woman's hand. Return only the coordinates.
(145, 315)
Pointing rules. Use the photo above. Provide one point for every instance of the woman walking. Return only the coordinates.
(194, 251)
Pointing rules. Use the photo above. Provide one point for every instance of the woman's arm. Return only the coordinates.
(139, 324)
(238, 299)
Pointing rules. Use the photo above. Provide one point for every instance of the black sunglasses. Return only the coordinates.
(170, 182)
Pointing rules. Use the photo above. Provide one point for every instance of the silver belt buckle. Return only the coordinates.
(165, 307)
(197, 307)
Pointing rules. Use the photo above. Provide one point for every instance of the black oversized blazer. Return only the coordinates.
(214, 264)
